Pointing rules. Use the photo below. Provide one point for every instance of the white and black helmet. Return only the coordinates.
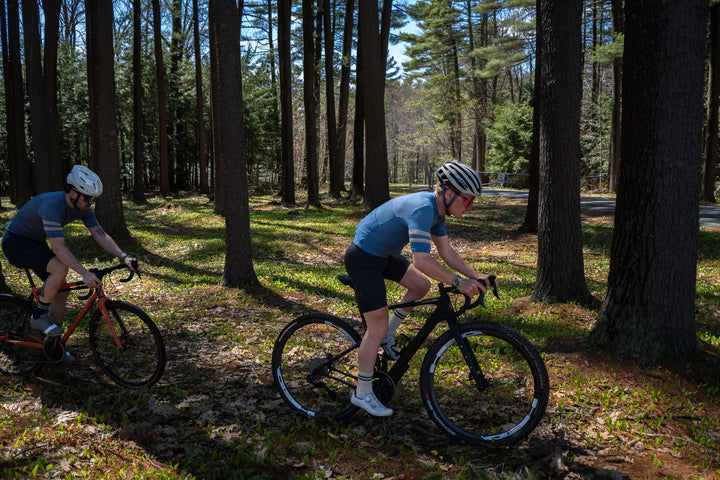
(460, 178)
(85, 181)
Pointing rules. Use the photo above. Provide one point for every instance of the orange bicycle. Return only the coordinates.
(127, 345)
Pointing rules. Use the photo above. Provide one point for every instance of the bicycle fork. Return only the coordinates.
(466, 350)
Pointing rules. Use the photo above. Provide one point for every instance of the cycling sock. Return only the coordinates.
(41, 308)
(364, 384)
(396, 319)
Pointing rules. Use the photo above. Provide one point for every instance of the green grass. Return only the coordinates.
(216, 414)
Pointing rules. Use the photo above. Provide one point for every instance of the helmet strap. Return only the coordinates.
(445, 202)
(74, 200)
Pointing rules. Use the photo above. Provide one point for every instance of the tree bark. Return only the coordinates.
(138, 144)
(377, 188)
(530, 223)
(103, 115)
(286, 112)
(560, 270)
(199, 105)
(42, 94)
(345, 85)
(615, 131)
(710, 157)
(238, 269)
(358, 169)
(649, 311)
(19, 166)
(337, 170)
(310, 101)
(162, 101)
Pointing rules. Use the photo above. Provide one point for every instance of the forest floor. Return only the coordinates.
(216, 413)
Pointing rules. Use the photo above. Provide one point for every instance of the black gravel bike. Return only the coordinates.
(125, 342)
(480, 381)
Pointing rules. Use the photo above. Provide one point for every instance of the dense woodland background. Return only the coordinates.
(227, 98)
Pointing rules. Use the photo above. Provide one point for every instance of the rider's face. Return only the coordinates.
(458, 203)
(82, 202)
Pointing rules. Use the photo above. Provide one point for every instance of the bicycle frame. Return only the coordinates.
(443, 312)
(96, 294)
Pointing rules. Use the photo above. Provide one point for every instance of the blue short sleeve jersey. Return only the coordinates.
(45, 215)
(411, 218)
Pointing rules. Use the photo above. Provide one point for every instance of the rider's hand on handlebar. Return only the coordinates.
(130, 263)
(91, 280)
(472, 288)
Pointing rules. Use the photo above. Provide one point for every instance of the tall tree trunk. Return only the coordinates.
(277, 127)
(710, 157)
(649, 311)
(617, 65)
(218, 163)
(57, 172)
(377, 188)
(457, 101)
(19, 166)
(138, 150)
(337, 170)
(103, 115)
(311, 102)
(162, 101)
(560, 270)
(199, 109)
(42, 94)
(178, 162)
(238, 271)
(530, 223)
(287, 172)
(345, 85)
(358, 170)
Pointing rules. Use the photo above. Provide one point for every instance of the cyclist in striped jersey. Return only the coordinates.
(417, 219)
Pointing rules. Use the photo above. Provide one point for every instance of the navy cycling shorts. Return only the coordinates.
(25, 252)
(368, 274)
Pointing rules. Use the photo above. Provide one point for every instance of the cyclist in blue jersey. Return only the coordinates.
(417, 219)
(25, 243)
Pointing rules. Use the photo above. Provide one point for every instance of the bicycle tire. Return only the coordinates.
(141, 361)
(17, 360)
(305, 344)
(505, 412)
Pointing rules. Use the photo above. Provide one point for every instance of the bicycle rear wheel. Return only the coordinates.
(15, 323)
(314, 365)
(139, 359)
(511, 405)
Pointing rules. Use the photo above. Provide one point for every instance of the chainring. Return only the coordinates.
(383, 387)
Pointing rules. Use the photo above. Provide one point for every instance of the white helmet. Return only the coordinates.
(460, 178)
(85, 181)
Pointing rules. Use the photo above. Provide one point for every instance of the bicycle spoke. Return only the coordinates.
(15, 323)
(515, 397)
(129, 347)
(309, 370)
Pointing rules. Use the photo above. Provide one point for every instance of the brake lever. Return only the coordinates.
(135, 270)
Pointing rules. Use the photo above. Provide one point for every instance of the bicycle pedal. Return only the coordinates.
(54, 350)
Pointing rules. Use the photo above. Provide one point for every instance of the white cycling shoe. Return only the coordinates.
(45, 325)
(372, 405)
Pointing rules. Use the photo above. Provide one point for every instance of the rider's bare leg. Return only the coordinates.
(49, 295)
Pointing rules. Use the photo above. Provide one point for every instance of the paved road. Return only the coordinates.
(709, 214)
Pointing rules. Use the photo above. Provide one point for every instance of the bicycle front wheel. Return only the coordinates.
(314, 365)
(127, 345)
(16, 359)
(501, 412)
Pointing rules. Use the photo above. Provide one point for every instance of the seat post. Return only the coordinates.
(29, 276)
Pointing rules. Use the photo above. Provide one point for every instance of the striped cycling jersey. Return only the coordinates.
(45, 215)
(411, 218)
